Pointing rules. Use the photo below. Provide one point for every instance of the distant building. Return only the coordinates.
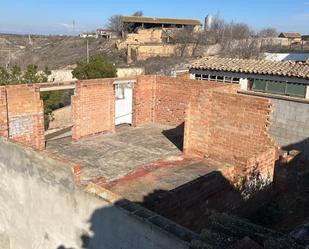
(107, 33)
(305, 38)
(297, 57)
(131, 23)
(88, 35)
(287, 78)
(293, 37)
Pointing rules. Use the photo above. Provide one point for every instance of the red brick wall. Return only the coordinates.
(231, 128)
(143, 100)
(25, 115)
(93, 108)
(3, 113)
(173, 96)
(164, 100)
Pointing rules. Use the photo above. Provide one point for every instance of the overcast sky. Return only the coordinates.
(56, 16)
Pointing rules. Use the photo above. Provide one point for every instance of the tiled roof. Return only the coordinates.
(142, 19)
(290, 35)
(250, 66)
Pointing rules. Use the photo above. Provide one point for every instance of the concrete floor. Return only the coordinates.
(109, 157)
(133, 162)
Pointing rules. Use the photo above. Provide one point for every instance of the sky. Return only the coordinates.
(56, 16)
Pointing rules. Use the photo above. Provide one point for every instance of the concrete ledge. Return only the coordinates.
(143, 214)
(274, 96)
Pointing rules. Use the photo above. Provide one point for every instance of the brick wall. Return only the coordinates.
(232, 129)
(164, 100)
(25, 115)
(143, 100)
(173, 96)
(93, 108)
(3, 113)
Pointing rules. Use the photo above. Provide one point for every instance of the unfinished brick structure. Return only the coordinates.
(22, 115)
(226, 141)
(93, 108)
(231, 129)
(163, 100)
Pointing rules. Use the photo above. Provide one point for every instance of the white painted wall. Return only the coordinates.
(243, 84)
(123, 108)
(130, 72)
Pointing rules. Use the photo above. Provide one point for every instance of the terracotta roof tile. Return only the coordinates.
(142, 19)
(290, 35)
(265, 67)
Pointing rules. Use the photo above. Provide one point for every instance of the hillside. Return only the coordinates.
(55, 52)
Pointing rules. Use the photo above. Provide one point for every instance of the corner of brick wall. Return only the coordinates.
(4, 132)
(25, 115)
(93, 108)
(164, 100)
(232, 129)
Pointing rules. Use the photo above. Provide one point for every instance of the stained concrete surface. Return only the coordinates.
(133, 162)
(176, 172)
(40, 208)
(112, 156)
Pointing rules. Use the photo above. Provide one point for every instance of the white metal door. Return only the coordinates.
(123, 108)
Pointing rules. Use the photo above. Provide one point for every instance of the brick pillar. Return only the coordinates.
(25, 115)
(93, 108)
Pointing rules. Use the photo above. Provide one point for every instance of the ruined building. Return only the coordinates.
(194, 150)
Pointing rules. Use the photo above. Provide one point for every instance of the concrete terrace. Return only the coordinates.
(132, 162)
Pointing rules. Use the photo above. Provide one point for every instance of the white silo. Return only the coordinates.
(208, 22)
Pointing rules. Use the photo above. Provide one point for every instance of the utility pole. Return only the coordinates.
(9, 60)
(73, 26)
(30, 41)
(87, 51)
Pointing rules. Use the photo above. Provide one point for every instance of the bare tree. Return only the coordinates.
(245, 49)
(188, 41)
(183, 38)
(115, 23)
(268, 32)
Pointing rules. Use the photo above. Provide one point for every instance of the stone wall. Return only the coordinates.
(42, 208)
(290, 124)
(22, 115)
(141, 52)
(130, 72)
(61, 75)
(142, 36)
(61, 118)
(93, 108)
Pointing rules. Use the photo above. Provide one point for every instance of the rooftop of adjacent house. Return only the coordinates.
(303, 57)
(290, 35)
(133, 162)
(251, 66)
(158, 20)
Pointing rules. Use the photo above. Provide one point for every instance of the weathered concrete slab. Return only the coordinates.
(112, 156)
